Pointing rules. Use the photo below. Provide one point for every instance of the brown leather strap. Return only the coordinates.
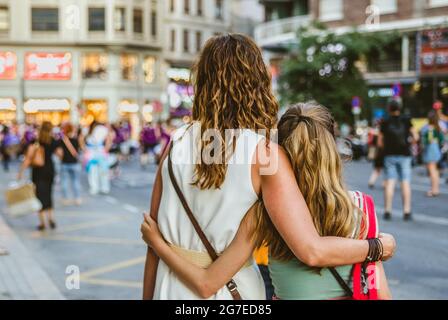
(344, 285)
(231, 285)
(70, 147)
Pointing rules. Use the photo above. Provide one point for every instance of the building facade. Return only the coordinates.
(418, 63)
(102, 60)
(187, 24)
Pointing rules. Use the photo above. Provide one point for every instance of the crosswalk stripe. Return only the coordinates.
(418, 217)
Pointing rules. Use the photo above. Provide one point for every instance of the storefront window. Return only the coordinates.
(7, 110)
(149, 67)
(128, 66)
(93, 110)
(55, 111)
(129, 112)
(94, 66)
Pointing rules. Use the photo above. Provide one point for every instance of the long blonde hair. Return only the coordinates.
(232, 88)
(306, 132)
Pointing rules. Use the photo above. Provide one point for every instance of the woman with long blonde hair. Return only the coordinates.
(306, 132)
(232, 92)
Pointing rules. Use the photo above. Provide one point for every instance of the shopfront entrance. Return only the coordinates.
(55, 111)
(93, 110)
(8, 113)
(129, 112)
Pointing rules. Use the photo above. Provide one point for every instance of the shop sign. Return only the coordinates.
(434, 51)
(48, 66)
(128, 107)
(38, 105)
(178, 74)
(8, 65)
(7, 104)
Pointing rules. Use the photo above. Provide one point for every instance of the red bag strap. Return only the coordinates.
(371, 222)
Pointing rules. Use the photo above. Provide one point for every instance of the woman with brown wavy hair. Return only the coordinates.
(222, 174)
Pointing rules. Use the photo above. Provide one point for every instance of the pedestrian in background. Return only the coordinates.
(70, 146)
(261, 256)
(98, 143)
(395, 138)
(377, 155)
(39, 157)
(443, 123)
(149, 139)
(165, 138)
(29, 136)
(4, 144)
(432, 139)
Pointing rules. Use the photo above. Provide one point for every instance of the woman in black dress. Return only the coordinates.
(42, 172)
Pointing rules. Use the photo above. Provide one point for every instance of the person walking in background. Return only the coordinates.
(70, 146)
(443, 124)
(395, 138)
(378, 156)
(165, 138)
(98, 143)
(261, 256)
(149, 139)
(39, 157)
(5, 141)
(29, 137)
(438, 107)
(432, 138)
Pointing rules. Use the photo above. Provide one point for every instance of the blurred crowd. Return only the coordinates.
(62, 153)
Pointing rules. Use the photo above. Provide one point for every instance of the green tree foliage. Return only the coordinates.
(326, 67)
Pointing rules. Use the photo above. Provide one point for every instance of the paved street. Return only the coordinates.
(102, 238)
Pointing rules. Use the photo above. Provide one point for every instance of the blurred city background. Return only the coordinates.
(126, 64)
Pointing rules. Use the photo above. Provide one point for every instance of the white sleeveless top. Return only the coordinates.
(218, 211)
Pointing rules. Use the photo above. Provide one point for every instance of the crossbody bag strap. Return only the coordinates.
(342, 282)
(70, 146)
(231, 285)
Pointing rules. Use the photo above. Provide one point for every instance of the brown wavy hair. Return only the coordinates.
(306, 132)
(232, 91)
(45, 133)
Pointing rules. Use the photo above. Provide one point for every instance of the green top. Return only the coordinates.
(293, 280)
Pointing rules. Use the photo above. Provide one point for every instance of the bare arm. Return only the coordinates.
(414, 134)
(152, 260)
(205, 282)
(26, 161)
(81, 142)
(109, 141)
(380, 142)
(290, 215)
